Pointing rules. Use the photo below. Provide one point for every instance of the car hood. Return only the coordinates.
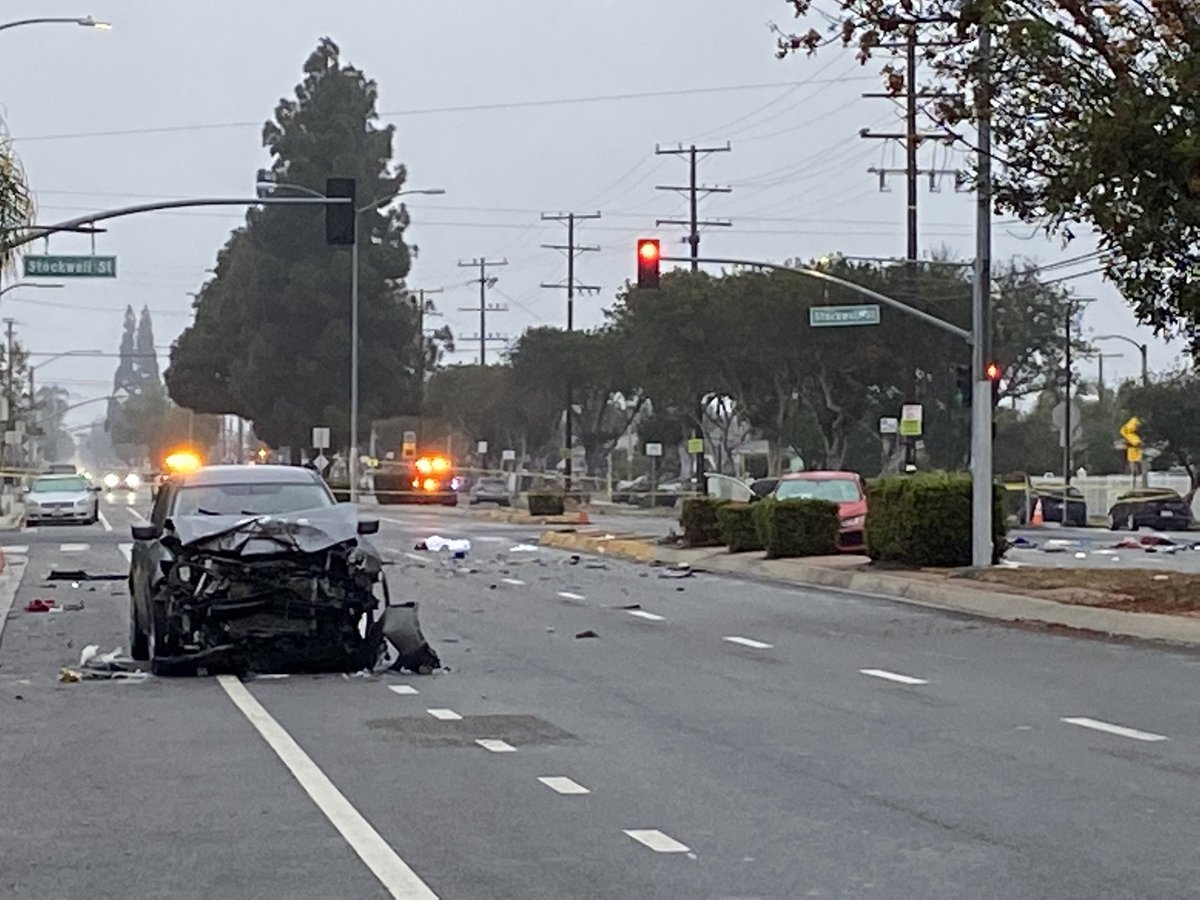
(849, 508)
(304, 531)
(58, 497)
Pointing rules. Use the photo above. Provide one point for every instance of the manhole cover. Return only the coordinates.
(426, 731)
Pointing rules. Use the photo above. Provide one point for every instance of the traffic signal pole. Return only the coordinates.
(982, 476)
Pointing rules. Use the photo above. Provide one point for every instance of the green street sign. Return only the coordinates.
(826, 316)
(70, 267)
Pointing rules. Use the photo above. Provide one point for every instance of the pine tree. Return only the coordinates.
(145, 362)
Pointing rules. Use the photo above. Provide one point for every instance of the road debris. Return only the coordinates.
(403, 633)
(77, 575)
(41, 605)
(523, 548)
(436, 544)
(586, 634)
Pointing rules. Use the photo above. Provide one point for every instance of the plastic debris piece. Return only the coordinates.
(596, 564)
(436, 544)
(89, 651)
(586, 634)
(40, 604)
(523, 548)
(69, 676)
(1161, 577)
(675, 573)
(1080, 555)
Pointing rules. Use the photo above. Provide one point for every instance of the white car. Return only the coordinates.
(61, 498)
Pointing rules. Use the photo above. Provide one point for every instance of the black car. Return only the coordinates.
(257, 568)
(1052, 506)
(1151, 508)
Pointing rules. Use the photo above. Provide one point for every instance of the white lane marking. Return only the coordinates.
(29, 529)
(496, 746)
(74, 548)
(126, 551)
(17, 550)
(417, 558)
(569, 596)
(1119, 730)
(657, 841)
(446, 715)
(563, 785)
(137, 515)
(515, 582)
(406, 689)
(490, 539)
(103, 519)
(748, 642)
(648, 616)
(393, 872)
(892, 676)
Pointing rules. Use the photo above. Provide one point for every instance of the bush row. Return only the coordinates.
(782, 528)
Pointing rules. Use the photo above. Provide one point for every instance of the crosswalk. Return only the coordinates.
(23, 549)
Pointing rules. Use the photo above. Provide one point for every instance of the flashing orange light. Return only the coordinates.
(430, 485)
(432, 464)
(424, 465)
(440, 464)
(181, 462)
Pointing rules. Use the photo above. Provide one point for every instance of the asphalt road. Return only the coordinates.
(717, 739)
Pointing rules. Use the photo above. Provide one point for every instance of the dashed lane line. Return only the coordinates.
(126, 551)
(748, 642)
(403, 689)
(446, 715)
(137, 515)
(892, 676)
(17, 549)
(74, 548)
(1119, 730)
(657, 841)
(515, 582)
(648, 616)
(103, 520)
(563, 785)
(568, 595)
(397, 877)
(496, 746)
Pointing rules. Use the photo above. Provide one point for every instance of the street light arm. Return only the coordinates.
(87, 21)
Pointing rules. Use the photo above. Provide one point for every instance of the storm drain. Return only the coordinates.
(424, 731)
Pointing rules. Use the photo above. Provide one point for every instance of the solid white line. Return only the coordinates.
(393, 873)
(137, 515)
(17, 550)
(1118, 730)
(563, 785)
(126, 551)
(516, 582)
(403, 689)
(104, 521)
(569, 596)
(414, 556)
(892, 676)
(489, 539)
(73, 548)
(496, 746)
(747, 642)
(648, 616)
(446, 715)
(657, 841)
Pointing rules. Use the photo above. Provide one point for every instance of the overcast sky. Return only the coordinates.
(513, 108)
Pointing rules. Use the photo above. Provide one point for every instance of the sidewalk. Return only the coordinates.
(946, 590)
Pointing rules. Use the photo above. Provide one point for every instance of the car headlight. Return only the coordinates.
(111, 480)
(854, 522)
(83, 501)
(133, 481)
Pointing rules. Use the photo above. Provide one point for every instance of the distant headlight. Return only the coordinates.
(132, 481)
(111, 480)
(854, 522)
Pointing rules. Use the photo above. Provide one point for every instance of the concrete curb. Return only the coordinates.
(10, 583)
(521, 517)
(956, 595)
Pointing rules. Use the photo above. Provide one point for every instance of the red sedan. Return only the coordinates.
(846, 489)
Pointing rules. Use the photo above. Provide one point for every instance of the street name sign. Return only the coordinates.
(70, 267)
(826, 316)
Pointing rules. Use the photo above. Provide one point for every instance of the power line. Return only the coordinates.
(693, 191)
(484, 282)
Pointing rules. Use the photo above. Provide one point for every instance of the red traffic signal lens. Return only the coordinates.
(992, 371)
(648, 250)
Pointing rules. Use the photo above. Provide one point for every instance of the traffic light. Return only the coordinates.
(339, 217)
(992, 372)
(962, 383)
(648, 256)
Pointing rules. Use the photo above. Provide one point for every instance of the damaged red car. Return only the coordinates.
(846, 489)
(258, 568)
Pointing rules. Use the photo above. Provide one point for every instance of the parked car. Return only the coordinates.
(61, 498)
(1052, 505)
(490, 490)
(1164, 510)
(638, 493)
(762, 487)
(61, 469)
(846, 489)
(257, 567)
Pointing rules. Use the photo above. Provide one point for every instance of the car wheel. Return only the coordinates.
(139, 644)
(162, 648)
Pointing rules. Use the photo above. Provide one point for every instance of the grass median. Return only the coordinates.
(1129, 590)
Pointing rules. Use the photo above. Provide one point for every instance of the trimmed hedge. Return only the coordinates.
(699, 521)
(797, 527)
(546, 504)
(925, 520)
(738, 529)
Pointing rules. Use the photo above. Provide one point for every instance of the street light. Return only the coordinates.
(265, 185)
(28, 284)
(1143, 349)
(85, 21)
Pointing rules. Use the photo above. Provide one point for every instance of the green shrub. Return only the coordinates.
(798, 527)
(925, 520)
(699, 521)
(546, 504)
(738, 529)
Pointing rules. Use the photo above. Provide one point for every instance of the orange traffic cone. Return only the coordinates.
(1038, 518)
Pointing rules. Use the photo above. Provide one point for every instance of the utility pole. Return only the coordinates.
(981, 316)
(483, 308)
(8, 380)
(424, 308)
(693, 223)
(1067, 404)
(572, 250)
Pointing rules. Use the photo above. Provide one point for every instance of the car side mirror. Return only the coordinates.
(368, 526)
(145, 532)
(95, 488)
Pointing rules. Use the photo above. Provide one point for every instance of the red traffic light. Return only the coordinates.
(992, 371)
(649, 253)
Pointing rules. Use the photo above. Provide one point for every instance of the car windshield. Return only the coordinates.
(836, 490)
(249, 499)
(493, 484)
(53, 485)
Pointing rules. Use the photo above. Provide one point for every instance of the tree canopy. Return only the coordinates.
(271, 336)
(1095, 122)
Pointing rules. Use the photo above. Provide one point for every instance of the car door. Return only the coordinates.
(145, 554)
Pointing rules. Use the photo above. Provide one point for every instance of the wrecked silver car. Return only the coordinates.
(257, 568)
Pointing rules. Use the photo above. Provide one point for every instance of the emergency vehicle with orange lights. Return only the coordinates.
(428, 478)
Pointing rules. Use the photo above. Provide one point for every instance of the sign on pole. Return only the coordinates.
(654, 449)
(320, 438)
(408, 446)
(1129, 431)
(827, 316)
(911, 415)
(889, 425)
(695, 445)
(70, 267)
(508, 455)
(481, 447)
